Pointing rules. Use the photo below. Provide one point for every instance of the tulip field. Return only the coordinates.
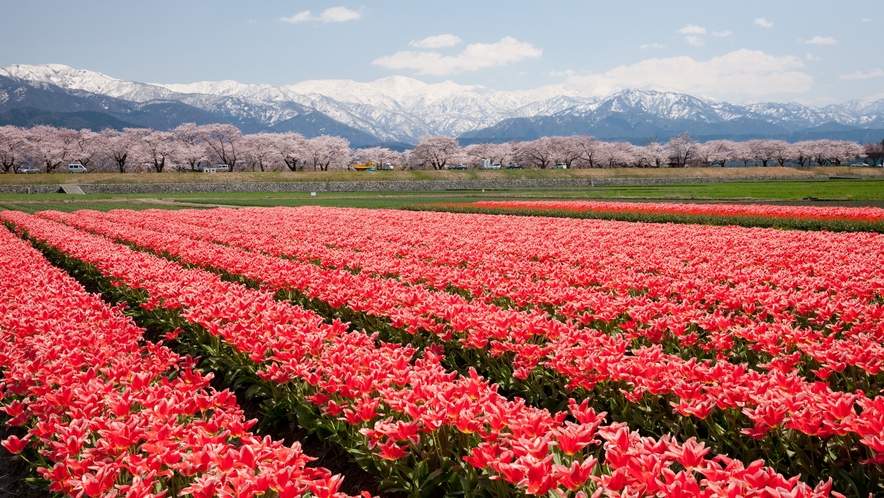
(870, 214)
(447, 354)
(832, 218)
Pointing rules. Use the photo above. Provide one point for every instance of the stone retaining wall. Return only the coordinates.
(29, 189)
(374, 186)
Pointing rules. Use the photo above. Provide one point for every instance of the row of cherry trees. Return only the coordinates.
(190, 147)
(680, 151)
(186, 148)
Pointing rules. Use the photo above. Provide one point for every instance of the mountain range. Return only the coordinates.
(397, 110)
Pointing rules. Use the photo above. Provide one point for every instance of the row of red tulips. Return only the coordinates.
(350, 377)
(872, 214)
(812, 286)
(770, 399)
(100, 412)
(402, 402)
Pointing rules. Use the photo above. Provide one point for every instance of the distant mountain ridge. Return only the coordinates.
(78, 104)
(401, 109)
(637, 116)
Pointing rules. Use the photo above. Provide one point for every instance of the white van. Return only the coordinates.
(214, 169)
(76, 168)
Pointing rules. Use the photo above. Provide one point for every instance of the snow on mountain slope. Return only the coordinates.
(225, 88)
(83, 80)
(404, 109)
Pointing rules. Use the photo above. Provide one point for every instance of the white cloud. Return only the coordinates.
(874, 97)
(764, 23)
(438, 41)
(859, 75)
(566, 72)
(339, 14)
(722, 34)
(866, 19)
(474, 57)
(299, 17)
(651, 45)
(742, 73)
(333, 14)
(691, 29)
(252, 21)
(821, 40)
(811, 57)
(694, 41)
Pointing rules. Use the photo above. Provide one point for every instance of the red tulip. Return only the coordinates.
(15, 445)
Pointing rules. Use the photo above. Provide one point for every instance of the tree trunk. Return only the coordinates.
(121, 162)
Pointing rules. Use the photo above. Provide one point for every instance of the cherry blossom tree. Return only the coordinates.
(588, 148)
(783, 152)
(652, 155)
(326, 152)
(120, 146)
(52, 146)
(825, 152)
(191, 148)
(159, 147)
(874, 152)
(757, 151)
(566, 150)
(14, 148)
(846, 151)
(820, 151)
(86, 148)
(434, 152)
(616, 154)
(258, 151)
(504, 153)
(494, 153)
(293, 149)
(768, 150)
(682, 150)
(717, 152)
(802, 152)
(221, 142)
(475, 153)
(540, 153)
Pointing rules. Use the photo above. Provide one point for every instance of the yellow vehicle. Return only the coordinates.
(365, 167)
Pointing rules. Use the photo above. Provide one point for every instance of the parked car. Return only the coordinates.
(28, 169)
(513, 166)
(214, 169)
(457, 166)
(76, 168)
(560, 166)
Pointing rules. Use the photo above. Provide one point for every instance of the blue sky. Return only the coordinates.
(813, 52)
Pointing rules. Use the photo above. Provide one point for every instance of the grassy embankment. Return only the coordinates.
(868, 191)
(503, 174)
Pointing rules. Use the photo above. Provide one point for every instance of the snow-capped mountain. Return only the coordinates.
(637, 116)
(395, 108)
(403, 109)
